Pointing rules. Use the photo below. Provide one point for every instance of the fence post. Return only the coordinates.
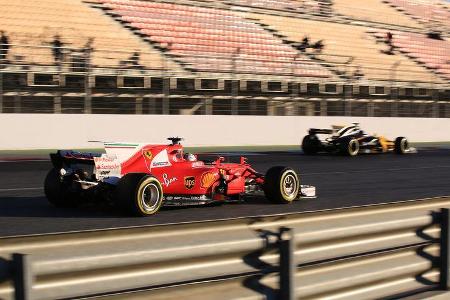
(445, 250)
(435, 109)
(89, 82)
(287, 264)
(23, 276)
(166, 86)
(1, 88)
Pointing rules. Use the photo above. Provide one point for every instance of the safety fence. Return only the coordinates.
(118, 81)
(387, 251)
(24, 57)
(146, 95)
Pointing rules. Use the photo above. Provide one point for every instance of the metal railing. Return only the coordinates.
(176, 105)
(373, 252)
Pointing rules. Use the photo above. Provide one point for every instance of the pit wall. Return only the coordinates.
(50, 131)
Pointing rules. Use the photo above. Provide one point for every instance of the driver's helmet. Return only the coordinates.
(178, 155)
(190, 157)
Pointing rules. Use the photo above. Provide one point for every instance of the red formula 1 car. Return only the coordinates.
(142, 178)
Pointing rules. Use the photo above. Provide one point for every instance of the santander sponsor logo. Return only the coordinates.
(160, 160)
(106, 166)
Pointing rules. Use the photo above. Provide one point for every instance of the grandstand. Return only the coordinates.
(431, 53)
(287, 57)
(32, 25)
(344, 42)
(433, 12)
(205, 39)
(376, 11)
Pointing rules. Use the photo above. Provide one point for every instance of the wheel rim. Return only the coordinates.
(150, 197)
(353, 147)
(404, 145)
(289, 185)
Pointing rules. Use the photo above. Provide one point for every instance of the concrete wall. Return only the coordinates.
(44, 131)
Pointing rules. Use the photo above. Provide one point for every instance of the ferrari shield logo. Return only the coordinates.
(148, 155)
(189, 182)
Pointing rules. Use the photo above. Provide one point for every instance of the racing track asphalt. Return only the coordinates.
(340, 182)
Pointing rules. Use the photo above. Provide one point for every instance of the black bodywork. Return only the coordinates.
(350, 140)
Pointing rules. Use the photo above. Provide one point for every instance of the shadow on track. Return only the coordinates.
(13, 206)
(39, 207)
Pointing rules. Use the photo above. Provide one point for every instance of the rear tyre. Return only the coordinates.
(139, 194)
(401, 145)
(281, 185)
(311, 144)
(57, 191)
(349, 146)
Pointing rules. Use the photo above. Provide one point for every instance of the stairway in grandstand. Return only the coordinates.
(433, 54)
(374, 11)
(311, 7)
(212, 40)
(351, 48)
(431, 13)
(31, 26)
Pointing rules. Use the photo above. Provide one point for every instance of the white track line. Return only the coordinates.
(375, 170)
(21, 189)
(22, 160)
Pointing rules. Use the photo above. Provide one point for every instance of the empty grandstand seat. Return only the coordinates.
(349, 47)
(434, 54)
(32, 24)
(213, 40)
(316, 7)
(427, 11)
(373, 11)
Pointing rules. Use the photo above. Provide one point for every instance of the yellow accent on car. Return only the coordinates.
(207, 180)
(385, 143)
(141, 190)
(283, 193)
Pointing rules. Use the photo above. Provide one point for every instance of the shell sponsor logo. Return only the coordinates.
(208, 179)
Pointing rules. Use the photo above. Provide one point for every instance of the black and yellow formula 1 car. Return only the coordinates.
(351, 140)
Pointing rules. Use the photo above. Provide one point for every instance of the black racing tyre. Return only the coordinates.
(58, 192)
(311, 144)
(140, 194)
(281, 185)
(349, 146)
(401, 145)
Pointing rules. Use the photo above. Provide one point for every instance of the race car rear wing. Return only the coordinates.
(68, 157)
(320, 131)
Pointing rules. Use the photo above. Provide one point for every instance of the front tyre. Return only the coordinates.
(139, 194)
(401, 145)
(281, 185)
(311, 144)
(349, 146)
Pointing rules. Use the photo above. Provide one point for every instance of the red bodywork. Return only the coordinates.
(179, 176)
